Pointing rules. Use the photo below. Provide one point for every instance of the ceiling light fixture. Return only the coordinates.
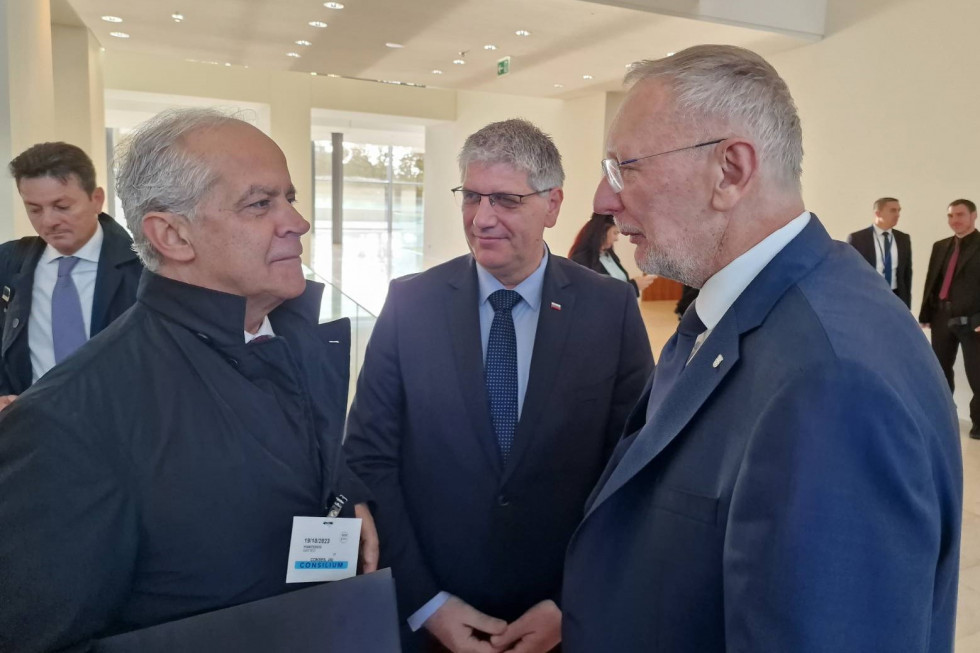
(559, 86)
(522, 32)
(461, 60)
(489, 46)
(670, 54)
(304, 43)
(177, 16)
(436, 72)
(333, 5)
(394, 46)
(119, 35)
(313, 73)
(317, 23)
(112, 19)
(227, 64)
(294, 55)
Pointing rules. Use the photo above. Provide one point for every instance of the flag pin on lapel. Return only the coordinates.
(718, 361)
(555, 306)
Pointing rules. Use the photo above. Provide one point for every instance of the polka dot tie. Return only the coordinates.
(501, 369)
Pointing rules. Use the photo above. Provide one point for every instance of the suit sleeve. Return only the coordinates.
(635, 366)
(373, 445)
(836, 523)
(69, 531)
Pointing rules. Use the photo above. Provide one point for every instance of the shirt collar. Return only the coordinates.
(265, 329)
(879, 230)
(88, 252)
(724, 287)
(529, 289)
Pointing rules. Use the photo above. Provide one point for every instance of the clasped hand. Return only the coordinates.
(463, 629)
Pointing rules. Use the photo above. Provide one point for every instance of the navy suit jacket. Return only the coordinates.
(116, 280)
(864, 242)
(450, 514)
(800, 489)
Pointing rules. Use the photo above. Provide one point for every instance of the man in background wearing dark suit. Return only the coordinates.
(886, 248)
(493, 390)
(951, 300)
(791, 479)
(71, 280)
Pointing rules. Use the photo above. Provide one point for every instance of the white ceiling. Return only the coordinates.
(569, 39)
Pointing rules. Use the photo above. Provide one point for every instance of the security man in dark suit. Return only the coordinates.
(886, 248)
(493, 390)
(71, 280)
(951, 300)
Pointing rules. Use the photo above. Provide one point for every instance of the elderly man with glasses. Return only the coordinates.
(786, 483)
(493, 390)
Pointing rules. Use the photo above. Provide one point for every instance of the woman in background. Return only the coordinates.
(593, 248)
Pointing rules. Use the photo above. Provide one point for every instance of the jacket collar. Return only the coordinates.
(213, 315)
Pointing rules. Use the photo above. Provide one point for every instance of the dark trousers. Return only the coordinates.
(946, 340)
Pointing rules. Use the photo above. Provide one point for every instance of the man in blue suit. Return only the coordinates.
(57, 183)
(786, 483)
(494, 388)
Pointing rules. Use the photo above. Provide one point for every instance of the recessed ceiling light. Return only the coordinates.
(294, 55)
(303, 43)
(317, 23)
(333, 5)
(489, 46)
(522, 32)
(586, 76)
(112, 19)
(177, 16)
(394, 46)
(332, 75)
(436, 72)
(227, 64)
(559, 86)
(119, 35)
(313, 73)
(670, 54)
(459, 62)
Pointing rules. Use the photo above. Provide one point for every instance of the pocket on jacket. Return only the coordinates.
(687, 504)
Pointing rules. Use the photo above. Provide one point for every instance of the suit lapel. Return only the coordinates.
(702, 376)
(22, 287)
(549, 344)
(464, 321)
(116, 251)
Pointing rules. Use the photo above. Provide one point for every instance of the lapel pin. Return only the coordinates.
(718, 361)
(555, 306)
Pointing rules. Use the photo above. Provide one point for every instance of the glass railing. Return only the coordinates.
(335, 305)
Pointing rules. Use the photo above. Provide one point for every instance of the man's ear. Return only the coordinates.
(170, 236)
(555, 198)
(738, 166)
(98, 197)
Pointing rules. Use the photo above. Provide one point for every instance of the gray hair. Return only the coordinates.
(156, 173)
(520, 144)
(711, 82)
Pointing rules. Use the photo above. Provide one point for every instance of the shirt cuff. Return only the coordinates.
(422, 615)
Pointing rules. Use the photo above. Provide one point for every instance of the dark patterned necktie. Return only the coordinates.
(501, 369)
(67, 323)
(673, 359)
(887, 258)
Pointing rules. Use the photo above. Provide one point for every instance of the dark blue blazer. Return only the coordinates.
(115, 291)
(451, 515)
(864, 242)
(800, 490)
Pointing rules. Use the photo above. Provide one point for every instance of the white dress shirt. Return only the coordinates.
(612, 268)
(724, 287)
(39, 338)
(880, 253)
(265, 329)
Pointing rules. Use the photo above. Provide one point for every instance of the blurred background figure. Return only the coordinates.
(593, 248)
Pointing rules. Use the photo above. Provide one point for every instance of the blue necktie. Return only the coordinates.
(501, 369)
(673, 358)
(67, 323)
(887, 258)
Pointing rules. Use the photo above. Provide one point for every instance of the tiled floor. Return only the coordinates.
(661, 322)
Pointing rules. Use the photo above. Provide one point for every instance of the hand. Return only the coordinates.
(463, 629)
(6, 400)
(537, 631)
(643, 282)
(369, 539)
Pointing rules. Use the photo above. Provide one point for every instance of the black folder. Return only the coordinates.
(356, 615)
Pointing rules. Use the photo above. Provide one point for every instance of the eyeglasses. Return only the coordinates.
(614, 172)
(471, 198)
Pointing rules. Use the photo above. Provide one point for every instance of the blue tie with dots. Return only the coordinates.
(67, 324)
(501, 369)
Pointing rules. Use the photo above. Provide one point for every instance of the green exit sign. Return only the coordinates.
(503, 66)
